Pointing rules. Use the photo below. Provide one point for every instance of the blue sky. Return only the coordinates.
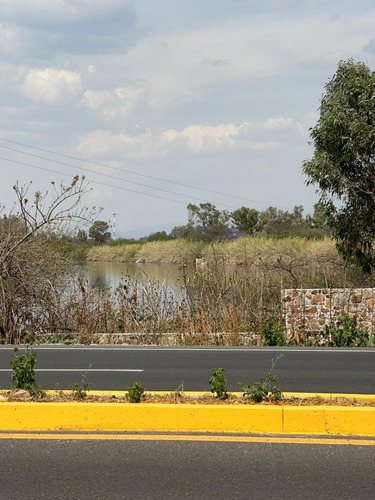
(213, 96)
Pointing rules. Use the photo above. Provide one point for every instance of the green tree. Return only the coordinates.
(157, 236)
(207, 223)
(246, 220)
(343, 164)
(99, 232)
(319, 217)
(81, 236)
(276, 221)
(179, 232)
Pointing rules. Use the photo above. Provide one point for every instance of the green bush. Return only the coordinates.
(218, 383)
(265, 388)
(136, 393)
(23, 371)
(79, 390)
(345, 333)
(272, 332)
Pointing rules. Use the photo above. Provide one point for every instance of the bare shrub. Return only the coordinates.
(31, 277)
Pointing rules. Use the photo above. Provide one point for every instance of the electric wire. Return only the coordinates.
(133, 173)
(108, 175)
(92, 181)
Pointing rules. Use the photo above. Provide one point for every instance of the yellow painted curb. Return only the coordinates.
(259, 419)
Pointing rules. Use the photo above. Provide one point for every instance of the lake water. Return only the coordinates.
(110, 274)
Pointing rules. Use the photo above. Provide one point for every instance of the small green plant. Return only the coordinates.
(79, 390)
(272, 331)
(218, 383)
(345, 333)
(265, 388)
(135, 393)
(23, 371)
(53, 339)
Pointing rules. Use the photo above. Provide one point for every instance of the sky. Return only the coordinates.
(161, 103)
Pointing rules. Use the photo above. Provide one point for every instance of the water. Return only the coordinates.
(110, 274)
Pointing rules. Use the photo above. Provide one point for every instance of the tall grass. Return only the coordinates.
(118, 253)
(240, 251)
(171, 252)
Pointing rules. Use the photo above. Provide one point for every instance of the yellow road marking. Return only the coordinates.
(177, 437)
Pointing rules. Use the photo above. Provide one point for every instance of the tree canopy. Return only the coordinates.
(246, 220)
(99, 231)
(343, 164)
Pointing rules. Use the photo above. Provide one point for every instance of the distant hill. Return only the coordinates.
(145, 231)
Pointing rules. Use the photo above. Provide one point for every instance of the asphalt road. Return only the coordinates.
(189, 369)
(90, 470)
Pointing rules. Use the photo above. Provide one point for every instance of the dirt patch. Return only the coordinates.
(177, 397)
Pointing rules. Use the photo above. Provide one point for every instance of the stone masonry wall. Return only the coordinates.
(309, 311)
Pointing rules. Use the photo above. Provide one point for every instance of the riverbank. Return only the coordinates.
(245, 250)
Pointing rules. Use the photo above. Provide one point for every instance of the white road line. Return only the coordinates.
(89, 370)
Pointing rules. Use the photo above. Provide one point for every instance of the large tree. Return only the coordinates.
(207, 223)
(343, 164)
(246, 220)
(99, 232)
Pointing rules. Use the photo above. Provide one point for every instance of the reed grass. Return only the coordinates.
(118, 253)
(170, 252)
(244, 250)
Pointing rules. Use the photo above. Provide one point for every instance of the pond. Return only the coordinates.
(110, 274)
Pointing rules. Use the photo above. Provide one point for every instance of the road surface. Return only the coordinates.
(94, 469)
(189, 369)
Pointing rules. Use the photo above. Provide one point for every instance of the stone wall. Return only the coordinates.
(309, 311)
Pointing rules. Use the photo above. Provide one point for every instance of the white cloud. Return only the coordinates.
(118, 103)
(280, 123)
(193, 139)
(182, 66)
(51, 85)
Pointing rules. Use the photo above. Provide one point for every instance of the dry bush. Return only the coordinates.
(31, 278)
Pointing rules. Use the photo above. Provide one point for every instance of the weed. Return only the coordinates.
(69, 342)
(264, 389)
(53, 339)
(218, 383)
(23, 371)
(345, 333)
(79, 390)
(272, 331)
(135, 393)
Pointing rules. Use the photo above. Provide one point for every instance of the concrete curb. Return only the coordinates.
(146, 417)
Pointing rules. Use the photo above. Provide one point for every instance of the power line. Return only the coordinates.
(135, 173)
(107, 175)
(90, 180)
